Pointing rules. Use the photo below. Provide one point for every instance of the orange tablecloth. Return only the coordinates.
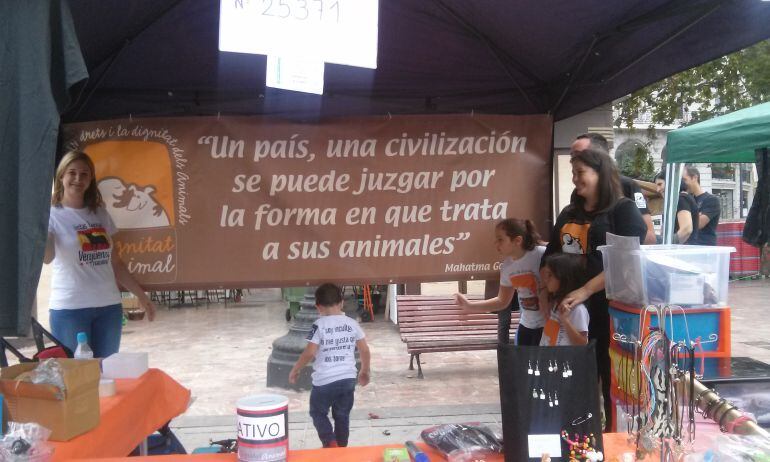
(138, 408)
(615, 444)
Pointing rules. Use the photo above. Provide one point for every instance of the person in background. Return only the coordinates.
(686, 223)
(597, 206)
(708, 207)
(562, 274)
(332, 341)
(84, 293)
(516, 241)
(630, 187)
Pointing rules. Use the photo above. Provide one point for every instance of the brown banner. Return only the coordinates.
(249, 202)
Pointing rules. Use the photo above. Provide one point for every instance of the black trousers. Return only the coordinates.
(599, 330)
(528, 337)
(504, 321)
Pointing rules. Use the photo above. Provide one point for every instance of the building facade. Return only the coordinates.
(734, 184)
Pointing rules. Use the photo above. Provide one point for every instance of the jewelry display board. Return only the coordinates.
(549, 394)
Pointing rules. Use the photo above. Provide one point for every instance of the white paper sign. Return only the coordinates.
(544, 444)
(304, 75)
(686, 289)
(334, 31)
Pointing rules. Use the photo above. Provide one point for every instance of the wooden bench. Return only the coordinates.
(430, 323)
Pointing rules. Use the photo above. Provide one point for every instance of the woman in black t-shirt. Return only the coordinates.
(597, 206)
(686, 223)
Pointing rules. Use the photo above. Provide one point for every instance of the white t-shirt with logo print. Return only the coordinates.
(82, 267)
(555, 334)
(524, 276)
(336, 336)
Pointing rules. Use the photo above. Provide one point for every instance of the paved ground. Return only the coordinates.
(221, 354)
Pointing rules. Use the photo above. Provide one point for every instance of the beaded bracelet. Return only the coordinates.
(718, 403)
(722, 427)
(743, 418)
(702, 394)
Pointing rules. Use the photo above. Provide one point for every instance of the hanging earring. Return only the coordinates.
(550, 400)
(542, 394)
(550, 366)
(529, 367)
(537, 368)
(569, 372)
(564, 370)
(534, 393)
(556, 366)
(555, 399)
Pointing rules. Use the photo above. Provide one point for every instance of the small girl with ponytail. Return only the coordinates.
(517, 241)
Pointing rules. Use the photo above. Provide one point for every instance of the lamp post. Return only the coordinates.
(287, 349)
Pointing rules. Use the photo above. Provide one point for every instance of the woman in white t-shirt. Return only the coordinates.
(84, 293)
(516, 241)
(562, 273)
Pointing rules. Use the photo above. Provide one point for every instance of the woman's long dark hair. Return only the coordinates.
(515, 227)
(569, 269)
(609, 190)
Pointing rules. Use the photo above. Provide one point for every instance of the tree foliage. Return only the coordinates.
(729, 83)
(634, 160)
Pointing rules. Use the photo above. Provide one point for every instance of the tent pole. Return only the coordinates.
(670, 199)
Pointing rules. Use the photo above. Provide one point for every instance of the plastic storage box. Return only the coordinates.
(124, 365)
(686, 275)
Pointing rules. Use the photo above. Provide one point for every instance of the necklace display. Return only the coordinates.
(654, 388)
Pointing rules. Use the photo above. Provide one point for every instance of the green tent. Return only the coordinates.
(732, 137)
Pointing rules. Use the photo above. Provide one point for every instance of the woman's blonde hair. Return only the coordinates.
(91, 198)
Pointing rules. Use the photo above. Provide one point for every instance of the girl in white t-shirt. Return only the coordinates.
(516, 240)
(562, 273)
(84, 293)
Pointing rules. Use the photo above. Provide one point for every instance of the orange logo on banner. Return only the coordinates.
(137, 190)
(136, 186)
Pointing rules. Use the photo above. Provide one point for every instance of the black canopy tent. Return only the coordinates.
(153, 58)
(560, 57)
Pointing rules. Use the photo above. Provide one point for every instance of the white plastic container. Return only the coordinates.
(106, 387)
(263, 428)
(124, 365)
(686, 275)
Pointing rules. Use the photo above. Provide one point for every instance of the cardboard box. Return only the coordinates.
(67, 418)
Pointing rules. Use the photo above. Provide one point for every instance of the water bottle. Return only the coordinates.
(83, 351)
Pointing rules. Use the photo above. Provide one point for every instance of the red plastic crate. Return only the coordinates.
(746, 259)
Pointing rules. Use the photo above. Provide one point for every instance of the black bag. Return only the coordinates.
(162, 442)
(57, 350)
(523, 414)
(756, 231)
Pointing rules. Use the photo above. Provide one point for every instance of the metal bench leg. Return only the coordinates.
(419, 368)
(411, 362)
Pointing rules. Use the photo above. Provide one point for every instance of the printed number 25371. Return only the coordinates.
(318, 10)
